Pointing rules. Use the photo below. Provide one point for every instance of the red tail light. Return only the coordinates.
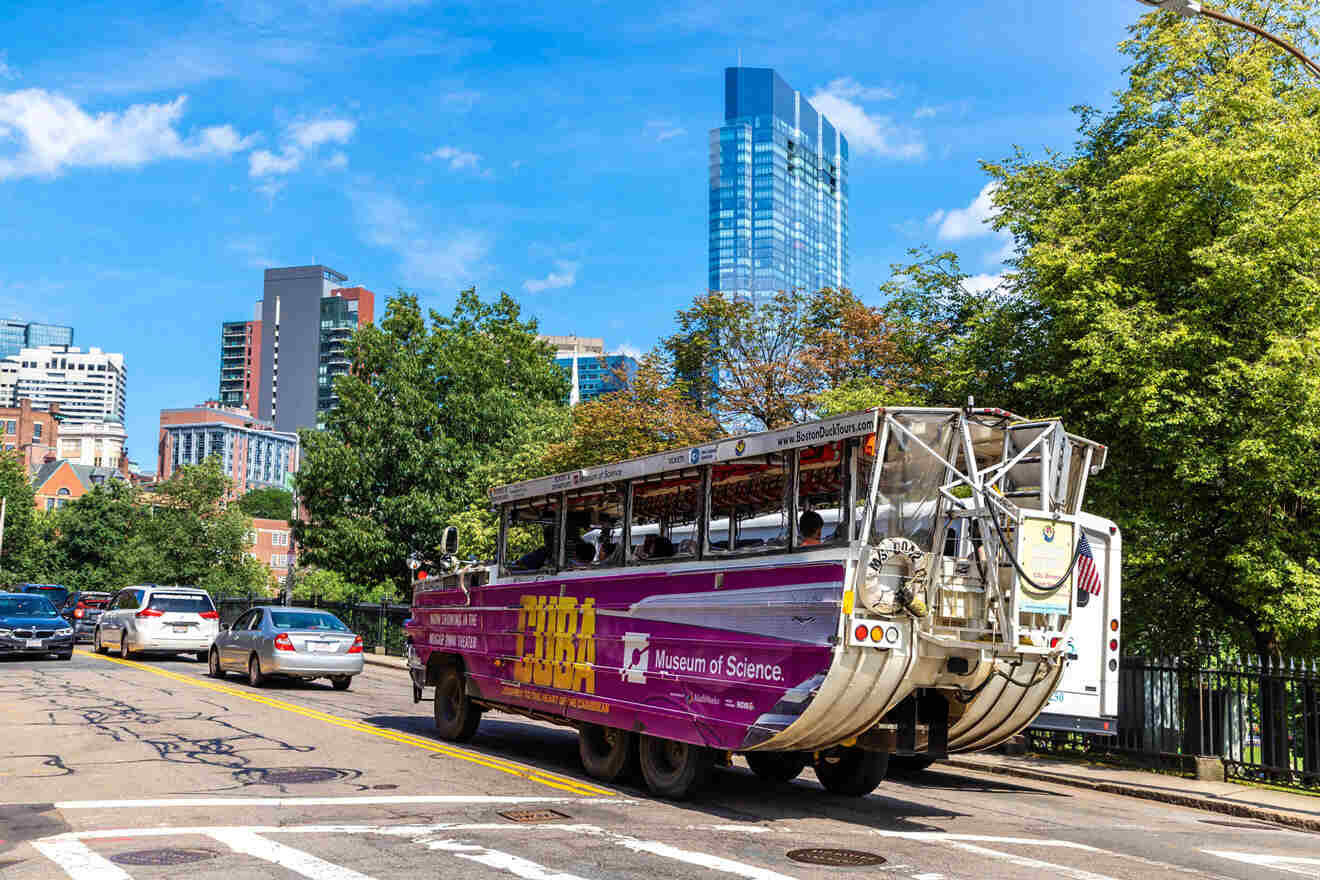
(210, 615)
(282, 642)
(1054, 642)
(149, 612)
(79, 611)
(357, 646)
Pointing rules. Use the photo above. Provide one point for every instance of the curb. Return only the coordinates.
(1245, 811)
(385, 660)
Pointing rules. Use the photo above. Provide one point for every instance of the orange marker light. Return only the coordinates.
(877, 634)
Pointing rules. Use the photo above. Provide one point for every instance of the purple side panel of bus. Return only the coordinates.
(719, 658)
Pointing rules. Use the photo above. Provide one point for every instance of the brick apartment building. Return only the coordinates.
(271, 544)
(33, 433)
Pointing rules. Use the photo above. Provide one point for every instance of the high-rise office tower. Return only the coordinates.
(778, 191)
(17, 335)
(240, 363)
(307, 316)
(88, 386)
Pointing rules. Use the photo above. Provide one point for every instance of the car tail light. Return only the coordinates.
(210, 615)
(79, 610)
(150, 612)
(282, 642)
(357, 645)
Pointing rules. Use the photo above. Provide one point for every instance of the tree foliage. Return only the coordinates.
(421, 411)
(267, 503)
(1165, 301)
(22, 532)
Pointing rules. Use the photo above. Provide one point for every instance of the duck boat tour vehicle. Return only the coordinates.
(897, 581)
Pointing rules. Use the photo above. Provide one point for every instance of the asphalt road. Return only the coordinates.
(113, 770)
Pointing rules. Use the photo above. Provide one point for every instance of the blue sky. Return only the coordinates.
(154, 159)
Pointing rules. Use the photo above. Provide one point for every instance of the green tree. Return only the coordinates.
(418, 415)
(22, 535)
(1165, 299)
(94, 534)
(267, 503)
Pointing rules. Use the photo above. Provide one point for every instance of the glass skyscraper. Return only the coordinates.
(778, 191)
(18, 335)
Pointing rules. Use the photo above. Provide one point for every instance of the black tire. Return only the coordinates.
(456, 716)
(851, 771)
(777, 767)
(68, 656)
(255, 678)
(97, 645)
(202, 656)
(672, 769)
(903, 766)
(213, 664)
(606, 752)
(341, 682)
(124, 652)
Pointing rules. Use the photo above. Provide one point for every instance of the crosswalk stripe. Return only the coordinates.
(78, 860)
(295, 860)
(1049, 869)
(502, 861)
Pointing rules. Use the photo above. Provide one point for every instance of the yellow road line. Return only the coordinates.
(533, 774)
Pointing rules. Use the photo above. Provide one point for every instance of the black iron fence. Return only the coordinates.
(379, 623)
(1261, 719)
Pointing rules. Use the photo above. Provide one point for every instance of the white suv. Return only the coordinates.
(172, 620)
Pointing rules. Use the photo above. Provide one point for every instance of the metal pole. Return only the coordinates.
(1193, 8)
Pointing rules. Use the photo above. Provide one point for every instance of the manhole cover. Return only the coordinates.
(527, 816)
(835, 858)
(295, 775)
(163, 856)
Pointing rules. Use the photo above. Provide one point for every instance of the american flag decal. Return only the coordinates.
(1087, 576)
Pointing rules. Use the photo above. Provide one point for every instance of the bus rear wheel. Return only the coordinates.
(851, 771)
(456, 716)
(606, 751)
(672, 769)
(777, 766)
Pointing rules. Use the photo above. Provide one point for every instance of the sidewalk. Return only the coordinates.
(384, 660)
(1263, 804)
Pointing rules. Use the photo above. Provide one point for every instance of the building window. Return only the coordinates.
(279, 539)
(36, 431)
(11, 427)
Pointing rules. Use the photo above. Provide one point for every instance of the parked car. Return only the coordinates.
(54, 592)
(302, 643)
(82, 610)
(151, 618)
(29, 624)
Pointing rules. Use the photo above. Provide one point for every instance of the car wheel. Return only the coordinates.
(673, 769)
(213, 664)
(341, 682)
(202, 656)
(456, 716)
(851, 771)
(96, 642)
(68, 656)
(777, 766)
(606, 752)
(255, 678)
(124, 651)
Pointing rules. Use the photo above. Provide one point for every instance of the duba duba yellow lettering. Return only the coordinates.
(563, 650)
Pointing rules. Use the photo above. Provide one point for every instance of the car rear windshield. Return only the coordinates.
(55, 594)
(26, 606)
(306, 620)
(181, 602)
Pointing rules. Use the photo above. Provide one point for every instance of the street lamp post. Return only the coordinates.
(1193, 8)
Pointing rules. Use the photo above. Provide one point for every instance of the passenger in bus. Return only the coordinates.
(536, 559)
(647, 550)
(584, 553)
(664, 548)
(809, 526)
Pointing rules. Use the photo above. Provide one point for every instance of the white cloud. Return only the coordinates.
(973, 221)
(847, 87)
(449, 261)
(458, 160)
(662, 130)
(299, 141)
(6, 71)
(628, 350)
(866, 132)
(564, 276)
(336, 161)
(926, 112)
(53, 134)
(982, 283)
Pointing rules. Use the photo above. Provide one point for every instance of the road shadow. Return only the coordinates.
(733, 794)
(937, 779)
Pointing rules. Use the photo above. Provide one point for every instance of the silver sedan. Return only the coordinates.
(293, 642)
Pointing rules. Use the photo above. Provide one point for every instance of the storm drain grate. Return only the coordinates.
(299, 775)
(835, 858)
(530, 816)
(163, 856)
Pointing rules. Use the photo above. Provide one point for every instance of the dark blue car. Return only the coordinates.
(29, 624)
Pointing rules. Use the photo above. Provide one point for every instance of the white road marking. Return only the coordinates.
(294, 860)
(1050, 869)
(702, 860)
(1289, 864)
(743, 829)
(366, 800)
(927, 877)
(501, 861)
(78, 861)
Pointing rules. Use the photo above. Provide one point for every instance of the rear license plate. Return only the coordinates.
(180, 627)
(320, 647)
(35, 643)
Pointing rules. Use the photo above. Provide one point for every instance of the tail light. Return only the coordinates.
(210, 615)
(79, 610)
(282, 642)
(1054, 642)
(357, 645)
(150, 612)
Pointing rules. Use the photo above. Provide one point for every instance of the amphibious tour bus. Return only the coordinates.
(895, 582)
